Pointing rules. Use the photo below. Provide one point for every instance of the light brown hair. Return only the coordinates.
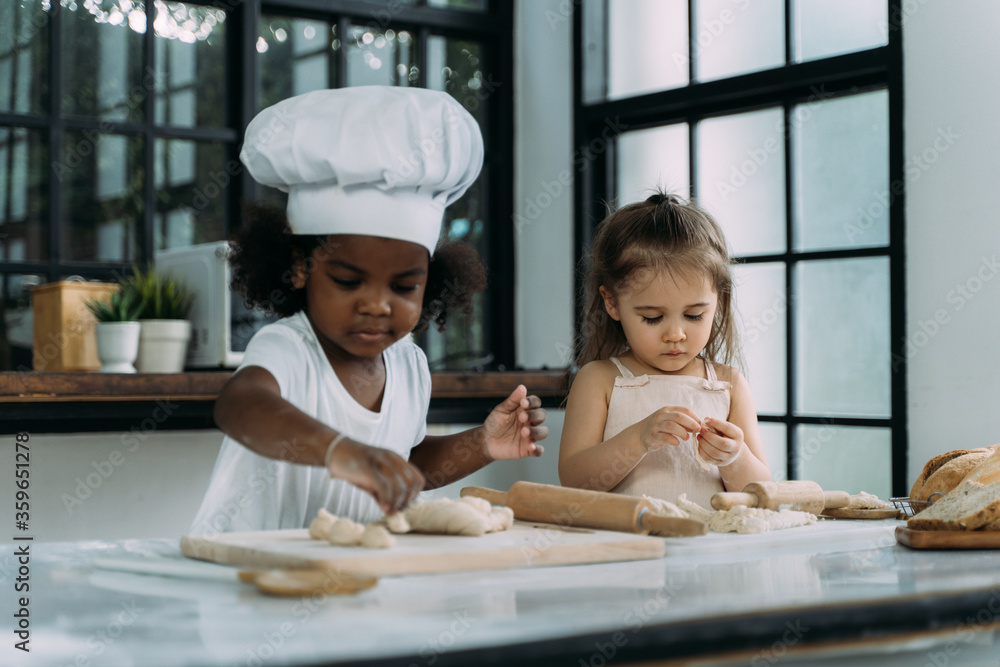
(661, 233)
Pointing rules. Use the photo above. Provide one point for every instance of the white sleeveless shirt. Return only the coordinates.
(671, 470)
(251, 492)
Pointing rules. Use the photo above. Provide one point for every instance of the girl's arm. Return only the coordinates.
(511, 431)
(586, 460)
(250, 410)
(751, 464)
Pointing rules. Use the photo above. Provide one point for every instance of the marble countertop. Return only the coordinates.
(833, 593)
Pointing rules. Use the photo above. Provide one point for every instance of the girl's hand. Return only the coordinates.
(720, 442)
(513, 429)
(392, 480)
(670, 425)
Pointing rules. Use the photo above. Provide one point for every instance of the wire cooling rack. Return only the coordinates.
(911, 507)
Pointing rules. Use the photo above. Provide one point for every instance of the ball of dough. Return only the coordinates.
(397, 523)
(345, 533)
(319, 529)
(375, 536)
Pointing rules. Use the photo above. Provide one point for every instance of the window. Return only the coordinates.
(783, 119)
(117, 141)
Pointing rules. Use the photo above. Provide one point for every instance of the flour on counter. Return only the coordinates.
(739, 519)
(867, 501)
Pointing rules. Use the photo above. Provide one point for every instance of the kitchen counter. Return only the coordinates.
(833, 593)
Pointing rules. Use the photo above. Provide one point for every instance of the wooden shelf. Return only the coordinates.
(91, 402)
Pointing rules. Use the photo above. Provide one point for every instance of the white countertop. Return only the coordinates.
(836, 591)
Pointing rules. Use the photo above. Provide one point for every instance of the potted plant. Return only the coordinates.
(117, 329)
(165, 331)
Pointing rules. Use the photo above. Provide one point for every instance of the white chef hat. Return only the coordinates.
(373, 160)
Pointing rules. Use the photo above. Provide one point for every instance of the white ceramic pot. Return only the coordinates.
(163, 346)
(117, 346)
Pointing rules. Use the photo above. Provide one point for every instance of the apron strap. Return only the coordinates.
(626, 373)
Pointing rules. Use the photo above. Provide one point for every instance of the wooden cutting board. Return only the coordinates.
(845, 513)
(524, 545)
(948, 539)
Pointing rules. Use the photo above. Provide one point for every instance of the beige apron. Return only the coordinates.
(671, 470)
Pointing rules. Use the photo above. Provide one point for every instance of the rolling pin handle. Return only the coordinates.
(730, 499)
(671, 526)
(836, 499)
(492, 495)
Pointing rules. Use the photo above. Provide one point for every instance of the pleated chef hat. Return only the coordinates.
(373, 160)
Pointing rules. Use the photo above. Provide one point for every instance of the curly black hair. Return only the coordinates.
(263, 252)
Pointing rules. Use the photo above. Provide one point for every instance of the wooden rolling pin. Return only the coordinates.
(587, 509)
(799, 495)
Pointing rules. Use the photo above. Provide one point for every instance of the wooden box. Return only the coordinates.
(64, 338)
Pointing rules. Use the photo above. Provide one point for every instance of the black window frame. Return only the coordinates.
(793, 83)
(493, 28)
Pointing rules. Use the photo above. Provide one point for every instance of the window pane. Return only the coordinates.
(831, 27)
(24, 194)
(468, 5)
(842, 323)
(648, 159)
(295, 56)
(738, 37)
(846, 458)
(774, 438)
(456, 66)
(463, 344)
(842, 172)
(762, 303)
(16, 321)
(102, 204)
(647, 46)
(741, 178)
(191, 183)
(24, 56)
(190, 65)
(380, 58)
(102, 60)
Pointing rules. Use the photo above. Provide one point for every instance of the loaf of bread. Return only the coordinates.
(950, 475)
(932, 467)
(974, 504)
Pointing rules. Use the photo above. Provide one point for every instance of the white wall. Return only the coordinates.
(952, 225)
(113, 485)
(543, 188)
